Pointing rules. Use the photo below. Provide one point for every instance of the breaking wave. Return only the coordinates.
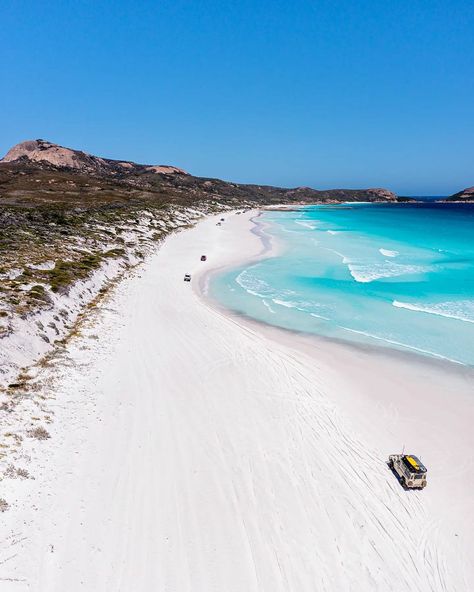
(313, 314)
(387, 253)
(253, 285)
(376, 271)
(462, 310)
(306, 224)
(353, 285)
(399, 343)
(298, 305)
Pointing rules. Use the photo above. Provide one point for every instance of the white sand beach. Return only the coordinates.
(193, 450)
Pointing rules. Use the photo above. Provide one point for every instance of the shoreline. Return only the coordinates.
(191, 450)
(441, 374)
(269, 250)
(433, 382)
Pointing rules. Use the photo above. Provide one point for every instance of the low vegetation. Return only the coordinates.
(12, 472)
(61, 231)
(40, 433)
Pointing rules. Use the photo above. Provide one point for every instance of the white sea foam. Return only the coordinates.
(399, 343)
(267, 304)
(313, 314)
(365, 273)
(288, 304)
(306, 224)
(301, 305)
(257, 287)
(332, 231)
(345, 259)
(388, 253)
(462, 310)
(253, 285)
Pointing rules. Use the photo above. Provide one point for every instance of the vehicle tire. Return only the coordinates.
(390, 464)
(403, 481)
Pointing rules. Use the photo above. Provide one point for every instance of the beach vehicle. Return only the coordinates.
(222, 219)
(218, 224)
(187, 277)
(410, 471)
(203, 258)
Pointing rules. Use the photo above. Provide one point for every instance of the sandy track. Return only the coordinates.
(192, 453)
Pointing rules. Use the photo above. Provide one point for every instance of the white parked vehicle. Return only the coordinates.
(187, 277)
(409, 469)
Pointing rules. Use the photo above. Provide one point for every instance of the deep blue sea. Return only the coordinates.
(399, 276)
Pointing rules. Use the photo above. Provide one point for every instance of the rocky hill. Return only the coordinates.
(464, 195)
(41, 151)
(71, 224)
(37, 170)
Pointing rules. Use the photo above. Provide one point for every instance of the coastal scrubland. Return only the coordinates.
(70, 219)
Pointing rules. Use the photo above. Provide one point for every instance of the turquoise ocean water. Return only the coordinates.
(399, 276)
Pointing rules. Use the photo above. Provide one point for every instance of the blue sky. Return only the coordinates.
(322, 93)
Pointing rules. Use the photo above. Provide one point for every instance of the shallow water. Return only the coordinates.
(398, 275)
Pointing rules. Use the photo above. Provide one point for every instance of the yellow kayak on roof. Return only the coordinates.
(413, 461)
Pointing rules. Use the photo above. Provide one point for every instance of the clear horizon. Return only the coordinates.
(318, 94)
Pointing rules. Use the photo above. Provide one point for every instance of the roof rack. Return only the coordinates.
(413, 464)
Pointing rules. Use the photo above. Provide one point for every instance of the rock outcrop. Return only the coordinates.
(382, 194)
(42, 151)
(464, 195)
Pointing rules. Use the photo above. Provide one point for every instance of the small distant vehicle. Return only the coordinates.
(222, 219)
(187, 277)
(218, 224)
(410, 470)
(203, 257)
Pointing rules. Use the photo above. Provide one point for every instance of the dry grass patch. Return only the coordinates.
(12, 472)
(40, 433)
